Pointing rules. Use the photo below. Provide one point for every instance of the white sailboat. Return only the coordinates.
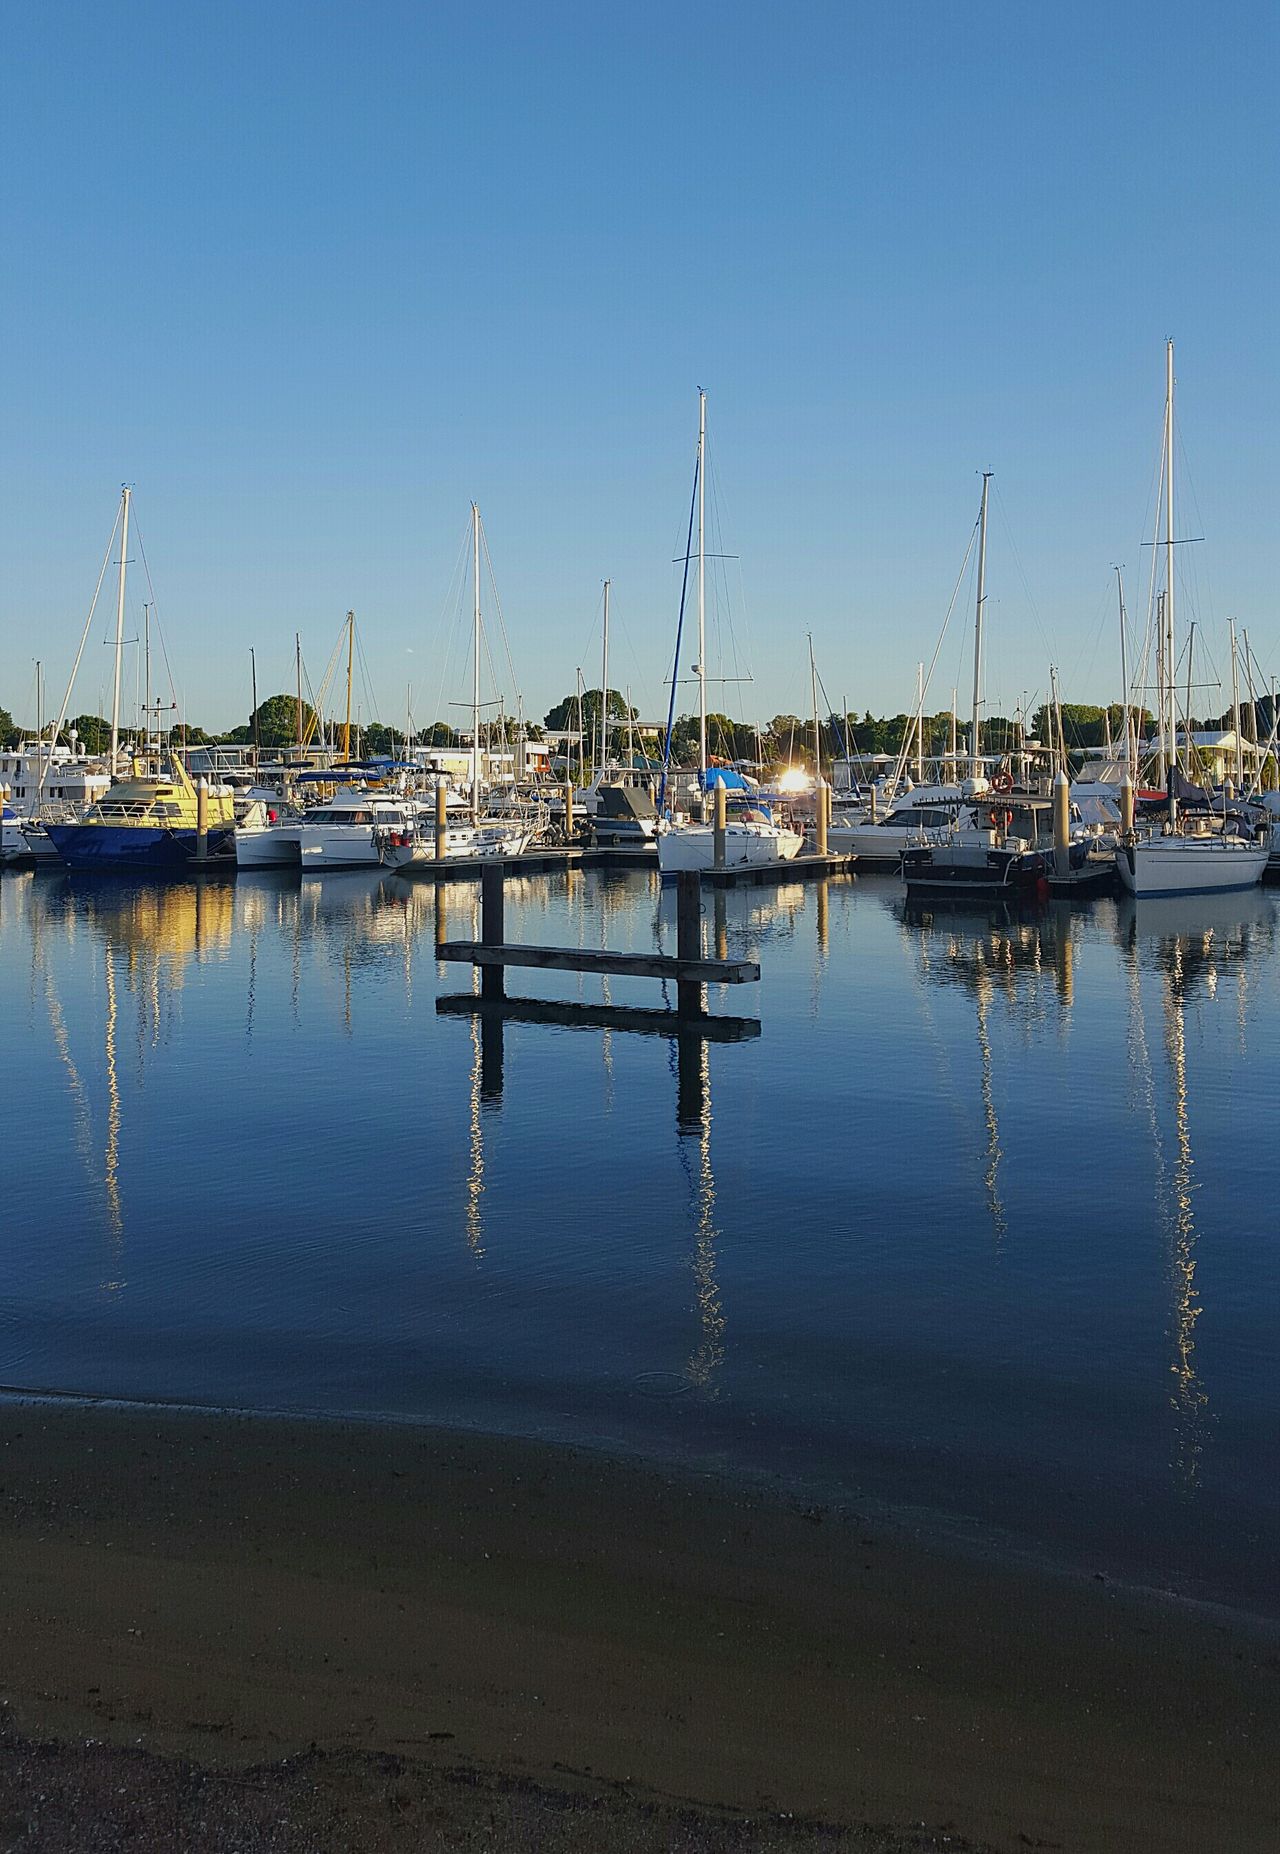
(1195, 854)
(751, 836)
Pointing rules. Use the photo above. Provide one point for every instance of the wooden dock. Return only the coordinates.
(574, 856)
(687, 969)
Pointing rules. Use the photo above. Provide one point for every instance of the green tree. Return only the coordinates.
(9, 731)
(94, 733)
(564, 716)
(277, 720)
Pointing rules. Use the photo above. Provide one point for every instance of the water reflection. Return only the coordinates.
(1026, 964)
(1192, 945)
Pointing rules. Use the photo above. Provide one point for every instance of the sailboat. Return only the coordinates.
(145, 820)
(751, 836)
(1196, 853)
(403, 850)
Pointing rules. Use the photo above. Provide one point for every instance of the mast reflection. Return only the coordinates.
(1193, 945)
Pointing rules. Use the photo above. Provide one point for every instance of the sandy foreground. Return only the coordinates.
(232, 1632)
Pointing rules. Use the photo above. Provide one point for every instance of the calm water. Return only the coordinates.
(982, 1224)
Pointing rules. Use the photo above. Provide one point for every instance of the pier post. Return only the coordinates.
(442, 820)
(689, 994)
(1061, 825)
(1126, 803)
(568, 809)
(202, 819)
(874, 803)
(492, 879)
(820, 829)
(720, 827)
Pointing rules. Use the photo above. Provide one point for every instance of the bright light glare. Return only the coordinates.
(794, 779)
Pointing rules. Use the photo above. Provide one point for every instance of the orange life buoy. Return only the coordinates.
(1003, 782)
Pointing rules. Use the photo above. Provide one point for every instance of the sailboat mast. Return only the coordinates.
(351, 648)
(1124, 672)
(817, 729)
(919, 723)
(702, 585)
(124, 556)
(975, 738)
(1235, 705)
(475, 665)
(604, 684)
(257, 731)
(1169, 661)
(578, 673)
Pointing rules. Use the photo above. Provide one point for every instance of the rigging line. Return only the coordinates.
(675, 666)
(1017, 561)
(901, 761)
(155, 614)
(451, 598)
(84, 637)
(502, 623)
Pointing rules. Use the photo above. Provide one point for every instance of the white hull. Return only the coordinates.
(463, 843)
(692, 846)
(873, 842)
(1190, 865)
(276, 847)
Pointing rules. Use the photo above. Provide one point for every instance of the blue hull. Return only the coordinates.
(121, 846)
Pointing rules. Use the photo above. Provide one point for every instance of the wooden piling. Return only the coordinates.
(720, 828)
(820, 827)
(1126, 803)
(492, 879)
(689, 995)
(202, 820)
(568, 809)
(442, 820)
(1061, 825)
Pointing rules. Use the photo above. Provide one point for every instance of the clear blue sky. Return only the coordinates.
(312, 277)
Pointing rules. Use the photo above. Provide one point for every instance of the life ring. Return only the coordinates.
(1002, 782)
(1000, 820)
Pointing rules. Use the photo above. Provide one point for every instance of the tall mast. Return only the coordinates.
(817, 729)
(1169, 660)
(257, 732)
(297, 660)
(919, 723)
(975, 738)
(955, 769)
(351, 647)
(475, 665)
(702, 585)
(1124, 673)
(604, 684)
(125, 494)
(146, 679)
(578, 673)
(1235, 705)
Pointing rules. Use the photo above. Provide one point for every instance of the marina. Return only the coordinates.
(855, 1336)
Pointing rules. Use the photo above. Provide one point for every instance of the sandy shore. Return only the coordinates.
(440, 1617)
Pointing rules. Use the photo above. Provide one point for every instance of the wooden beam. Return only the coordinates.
(599, 1017)
(613, 965)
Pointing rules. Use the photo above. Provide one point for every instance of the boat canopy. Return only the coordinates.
(725, 775)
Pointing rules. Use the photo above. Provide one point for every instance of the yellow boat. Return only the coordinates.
(149, 823)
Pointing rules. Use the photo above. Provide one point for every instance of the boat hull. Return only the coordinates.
(122, 846)
(1165, 866)
(692, 846)
(273, 848)
(979, 874)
